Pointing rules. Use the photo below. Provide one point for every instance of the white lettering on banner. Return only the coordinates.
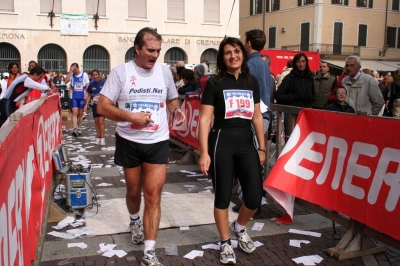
(353, 169)
(192, 124)
(11, 214)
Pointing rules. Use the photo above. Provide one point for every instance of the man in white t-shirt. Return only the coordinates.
(144, 89)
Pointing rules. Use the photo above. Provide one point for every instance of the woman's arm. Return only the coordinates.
(258, 124)
(207, 112)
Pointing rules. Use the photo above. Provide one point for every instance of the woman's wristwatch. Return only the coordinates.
(264, 150)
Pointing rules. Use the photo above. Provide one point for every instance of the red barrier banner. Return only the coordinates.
(345, 163)
(189, 131)
(25, 172)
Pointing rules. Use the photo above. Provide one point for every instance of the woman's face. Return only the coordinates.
(95, 76)
(14, 69)
(301, 64)
(233, 58)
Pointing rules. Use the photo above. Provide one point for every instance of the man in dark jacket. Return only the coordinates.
(324, 84)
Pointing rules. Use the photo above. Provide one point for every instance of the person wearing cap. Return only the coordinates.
(340, 104)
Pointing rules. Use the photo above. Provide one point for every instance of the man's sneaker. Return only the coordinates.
(97, 141)
(79, 131)
(74, 132)
(136, 229)
(150, 258)
(102, 141)
(244, 241)
(227, 256)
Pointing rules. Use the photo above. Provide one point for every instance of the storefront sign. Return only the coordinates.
(174, 41)
(11, 36)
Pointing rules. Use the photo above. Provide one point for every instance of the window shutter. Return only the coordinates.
(362, 35)
(137, 9)
(346, 2)
(267, 9)
(370, 4)
(278, 6)
(272, 37)
(46, 5)
(395, 5)
(176, 10)
(251, 7)
(390, 36)
(91, 7)
(333, 2)
(211, 11)
(312, 2)
(398, 37)
(299, 2)
(259, 6)
(7, 5)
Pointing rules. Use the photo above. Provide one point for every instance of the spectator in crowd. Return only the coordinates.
(362, 90)
(189, 81)
(3, 84)
(395, 95)
(143, 155)
(377, 77)
(297, 88)
(180, 64)
(79, 84)
(340, 104)
(179, 83)
(200, 76)
(56, 80)
(31, 65)
(324, 84)
(18, 89)
(173, 71)
(93, 92)
(205, 62)
(13, 70)
(367, 71)
(220, 149)
(289, 67)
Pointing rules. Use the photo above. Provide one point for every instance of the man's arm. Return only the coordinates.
(106, 108)
(375, 96)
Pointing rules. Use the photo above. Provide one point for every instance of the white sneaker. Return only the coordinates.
(97, 141)
(102, 141)
(227, 255)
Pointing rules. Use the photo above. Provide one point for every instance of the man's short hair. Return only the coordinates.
(75, 64)
(257, 39)
(180, 64)
(358, 60)
(205, 62)
(140, 37)
(267, 58)
(37, 70)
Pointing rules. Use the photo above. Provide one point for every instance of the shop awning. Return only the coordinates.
(373, 65)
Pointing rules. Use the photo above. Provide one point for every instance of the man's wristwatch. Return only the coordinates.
(264, 150)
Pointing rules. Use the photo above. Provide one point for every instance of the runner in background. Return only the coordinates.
(93, 92)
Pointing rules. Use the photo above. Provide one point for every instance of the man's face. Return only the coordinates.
(147, 56)
(341, 95)
(323, 68)
(352, 67)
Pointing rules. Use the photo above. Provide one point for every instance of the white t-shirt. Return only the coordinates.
(130, 85)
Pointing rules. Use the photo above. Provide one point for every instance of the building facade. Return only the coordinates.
(335, 28)
(33, 30)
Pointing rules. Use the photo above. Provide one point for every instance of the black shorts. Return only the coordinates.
(129, 154)
(94, 110)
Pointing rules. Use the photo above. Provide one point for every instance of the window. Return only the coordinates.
(362, 35)
(96, 57)
(130, 54)
(272, 37)
(211, 56)
(255, 7)
(305, 2)
(7, 5)
(52, 57)
(396, 5)
(174, 55)
(365, 3)
(272, 5)
(8, 53)
(340, 2)
(91, 7)
(211, 11)
(137, 9)
(398, 37)
(337, 37)
(391, 37)
(305, 37)
(47, 5)
(176, 10)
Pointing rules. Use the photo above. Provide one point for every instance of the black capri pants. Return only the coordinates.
(233, 152)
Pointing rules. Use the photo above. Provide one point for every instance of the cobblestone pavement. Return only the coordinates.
(275, 251)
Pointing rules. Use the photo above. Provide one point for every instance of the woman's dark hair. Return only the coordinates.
(187, 74)
(10, 65)
(95, 70)
(221, 67)
(38, 70)
(296, 58)
(179, 71)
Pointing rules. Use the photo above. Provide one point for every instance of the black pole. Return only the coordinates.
(51, 15)
(385, 46)
(96, 16)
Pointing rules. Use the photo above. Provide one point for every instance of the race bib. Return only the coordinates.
(78, 86)
(147, 107)
(239, 104)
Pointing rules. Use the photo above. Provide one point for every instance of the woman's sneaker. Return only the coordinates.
(244, 241)
(97, 141)
(227, 255)
(150, 258)
(136, 229)
(102, 141)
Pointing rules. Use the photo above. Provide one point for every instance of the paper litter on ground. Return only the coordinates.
(188, 172)
(61, 235)
(211, 246)
(195, 175)
(308, 260)
(296, 243)
(105, 204)
(191, 186)
(184, 228)
(108, 250)
(78, 245)
(307, 233)
(258, 243)
(264, 201)
(63, 223)
(257, 226)
(104, 185)
(123, 181)
(193, 254)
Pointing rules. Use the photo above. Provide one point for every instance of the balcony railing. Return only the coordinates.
(324, 48)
